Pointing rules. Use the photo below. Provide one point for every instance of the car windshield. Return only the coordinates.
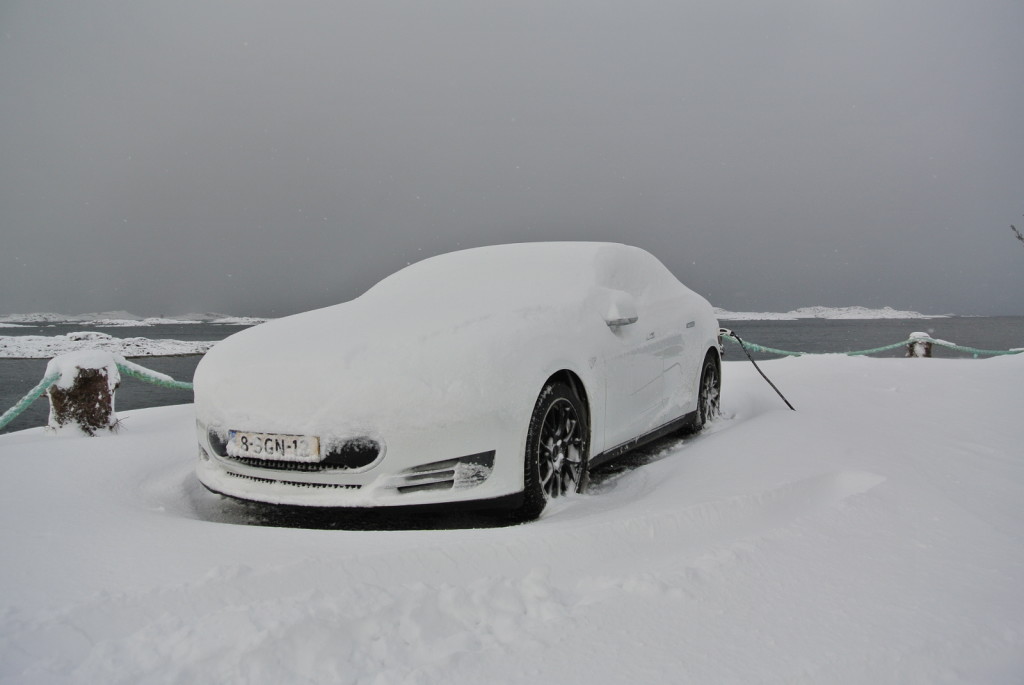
(504, 276)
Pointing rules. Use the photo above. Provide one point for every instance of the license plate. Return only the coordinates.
(273, 446)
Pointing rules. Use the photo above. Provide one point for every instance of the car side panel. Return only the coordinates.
(634, 380)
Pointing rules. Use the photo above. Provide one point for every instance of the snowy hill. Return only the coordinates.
(52, 317)
(47, 346)
(825, 313)
(119, 319)
(864, 538)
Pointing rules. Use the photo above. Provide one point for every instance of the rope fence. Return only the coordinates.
(162, 380)
(754, 347)
(153, 377)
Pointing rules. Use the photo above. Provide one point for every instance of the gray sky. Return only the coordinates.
(270, 157)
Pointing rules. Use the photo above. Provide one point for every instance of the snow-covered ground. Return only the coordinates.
(237, 320)
(125, 323)
(47, 346)
(874, 535)
(825, 313)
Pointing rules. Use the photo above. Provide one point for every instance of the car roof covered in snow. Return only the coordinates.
(523, 273)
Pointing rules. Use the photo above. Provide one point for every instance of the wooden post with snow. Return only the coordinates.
(919, 345)
(83, 395)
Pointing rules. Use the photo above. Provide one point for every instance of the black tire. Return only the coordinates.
(557, 449)
(709, 393)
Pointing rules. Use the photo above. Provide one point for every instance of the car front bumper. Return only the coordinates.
(414, 471)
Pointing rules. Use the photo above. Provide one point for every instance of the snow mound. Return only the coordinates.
(149, 321)
(87, 335)
(238, 320)
(865, 537)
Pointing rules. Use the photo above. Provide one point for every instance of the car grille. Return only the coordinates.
(333, 486)
(280, 465)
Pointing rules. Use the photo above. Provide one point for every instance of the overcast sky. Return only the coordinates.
(265, 158)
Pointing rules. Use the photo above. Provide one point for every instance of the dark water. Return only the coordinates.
(18, 376)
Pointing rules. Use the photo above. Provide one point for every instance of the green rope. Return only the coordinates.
(149, 376)
(28, 399)
(883, 348)
(960, 348)
(754, 347)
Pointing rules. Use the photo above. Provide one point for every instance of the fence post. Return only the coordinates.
(919, 345)
(83, 395)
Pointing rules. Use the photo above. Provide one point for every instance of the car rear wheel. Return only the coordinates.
(557, 445)
(709, 394)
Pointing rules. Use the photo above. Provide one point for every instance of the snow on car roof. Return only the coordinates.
(524, 272)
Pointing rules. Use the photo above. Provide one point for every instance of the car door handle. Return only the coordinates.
(650, 336)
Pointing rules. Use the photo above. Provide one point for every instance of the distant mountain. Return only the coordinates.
(825, 313)
(121, 319)
(51, 317)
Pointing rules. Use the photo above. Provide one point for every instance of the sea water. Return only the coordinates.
(19, 376)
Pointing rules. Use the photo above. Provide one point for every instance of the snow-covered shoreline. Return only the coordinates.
(121, 319)
(825, 313)
(47, 346)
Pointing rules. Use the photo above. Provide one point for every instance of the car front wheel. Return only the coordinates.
(555, 462)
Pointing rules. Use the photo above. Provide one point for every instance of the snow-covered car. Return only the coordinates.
(494, 376)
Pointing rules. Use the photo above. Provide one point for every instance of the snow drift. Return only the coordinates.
(874, 535)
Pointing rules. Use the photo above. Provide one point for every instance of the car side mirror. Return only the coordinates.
(621, 310)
